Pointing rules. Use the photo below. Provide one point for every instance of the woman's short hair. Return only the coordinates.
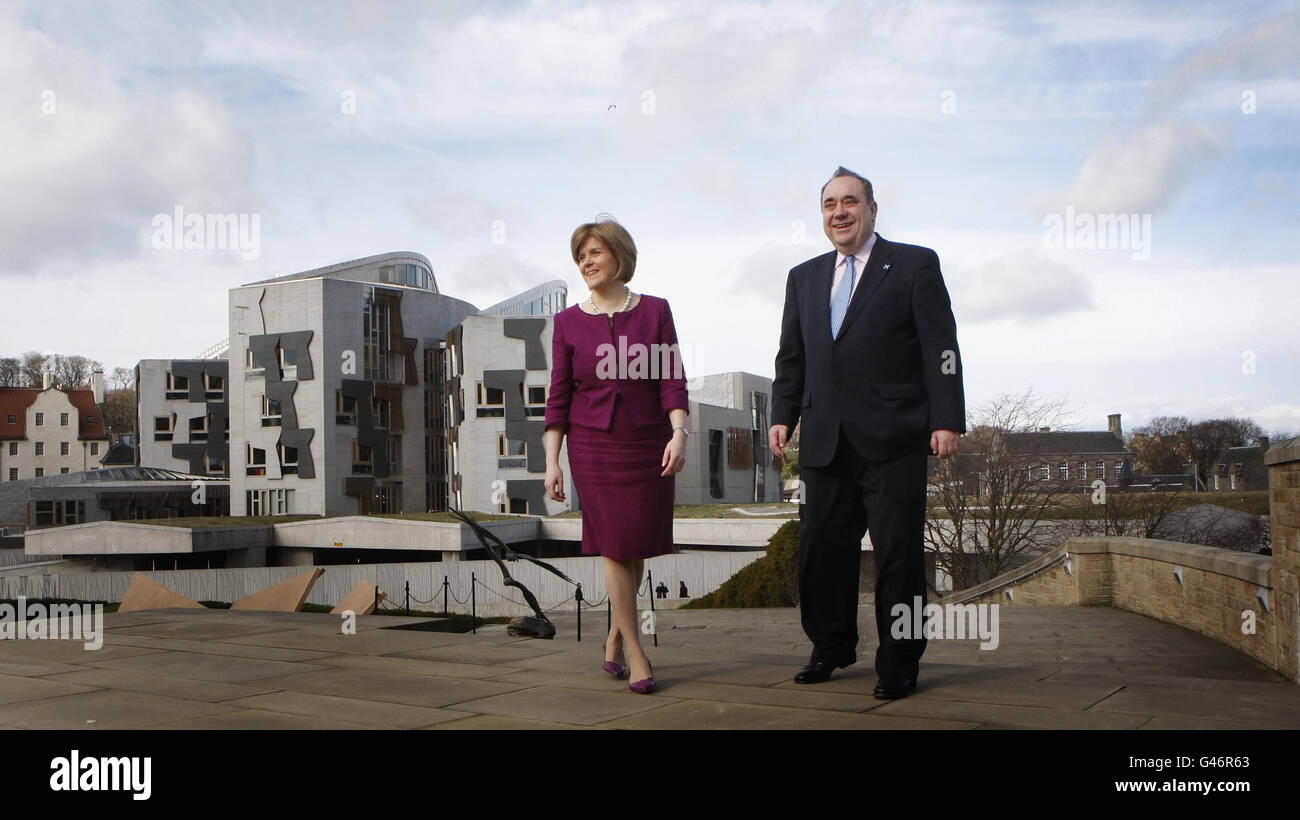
(615, 238)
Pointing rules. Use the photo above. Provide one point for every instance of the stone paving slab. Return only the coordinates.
(559, 705)
(483, 652)
(500, 723)
(260, 719)
(104, 709)
(17, 688)
(376, 642)
(194, 630)
(150, 684)
(702, 714)
(221, 668)
(415, 666)
(1278, 705)
(217, 647)
(34, 668)
(996, 716)
(377, 714)
(392, 687)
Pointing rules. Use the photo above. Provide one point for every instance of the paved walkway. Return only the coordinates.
(1056, 667)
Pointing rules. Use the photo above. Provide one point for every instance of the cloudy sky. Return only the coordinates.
(480, 134)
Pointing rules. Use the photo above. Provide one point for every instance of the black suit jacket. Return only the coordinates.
(894, 374)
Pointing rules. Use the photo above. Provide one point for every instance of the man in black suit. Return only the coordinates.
(869, 360)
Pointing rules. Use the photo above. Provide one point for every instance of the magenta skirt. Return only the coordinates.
(627, 507)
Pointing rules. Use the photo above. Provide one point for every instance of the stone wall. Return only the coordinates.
(1283, 460)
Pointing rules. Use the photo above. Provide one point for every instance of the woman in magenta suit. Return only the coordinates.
(619, 394)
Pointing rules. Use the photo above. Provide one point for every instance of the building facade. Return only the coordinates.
(182, 415)
(335, 389)
(50, 431)
(728, 461)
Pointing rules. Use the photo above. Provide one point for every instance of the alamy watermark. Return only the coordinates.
(75, 773)
(37, 621)
(1098, 232)
(639, 361)
(955, 621)
(196, 231)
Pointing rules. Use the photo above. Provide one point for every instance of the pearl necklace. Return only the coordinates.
(626, 302)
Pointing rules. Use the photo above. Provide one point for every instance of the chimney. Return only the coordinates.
(97, 386)
(1112, 424)
(1044, 429)
(1263, 444)
(46, 378)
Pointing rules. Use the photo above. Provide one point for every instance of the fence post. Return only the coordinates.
(408, 597)
(650, 582)
(473, 603)
(445, 585)
(578, 596)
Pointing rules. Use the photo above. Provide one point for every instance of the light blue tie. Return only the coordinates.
(840, 304)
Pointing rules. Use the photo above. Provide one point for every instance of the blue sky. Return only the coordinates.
(707, 130)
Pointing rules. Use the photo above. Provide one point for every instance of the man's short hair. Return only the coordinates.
(616, 240)
(845, 172)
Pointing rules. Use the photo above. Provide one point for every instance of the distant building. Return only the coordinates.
(1240, 469)
(336, 389)
(108, 494)
(182, 415)
(728, 460)
(50, 431)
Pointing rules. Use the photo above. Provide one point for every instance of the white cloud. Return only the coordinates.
(1024, 287)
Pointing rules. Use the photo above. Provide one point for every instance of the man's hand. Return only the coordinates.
(944, 443)
(776, 439)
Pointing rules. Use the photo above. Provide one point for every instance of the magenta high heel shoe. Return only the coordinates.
(646, 685)
(614, 670)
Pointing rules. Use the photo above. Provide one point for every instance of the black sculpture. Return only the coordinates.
(538, 625)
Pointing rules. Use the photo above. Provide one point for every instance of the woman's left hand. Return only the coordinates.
(674, 455)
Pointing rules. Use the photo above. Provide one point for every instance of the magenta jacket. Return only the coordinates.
(636, 357)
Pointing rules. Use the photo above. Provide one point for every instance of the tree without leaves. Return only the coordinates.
(1206, 440)
(985, 533)
(122, 378)
(1135, 514)
(1160, 448)
(11, 372)
(119, 412)
(73, 372)
(33, 367)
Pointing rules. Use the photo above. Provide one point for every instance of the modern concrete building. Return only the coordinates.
(728, 461)
(109, 494)
(49, 430)
(336, 389)
(182, 415)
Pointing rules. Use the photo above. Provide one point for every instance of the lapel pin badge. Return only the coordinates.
(886, 267)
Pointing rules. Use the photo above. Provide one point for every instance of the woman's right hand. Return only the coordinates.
(555, 483)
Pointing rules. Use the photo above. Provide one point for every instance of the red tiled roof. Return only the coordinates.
(84, 401)
(15, 401)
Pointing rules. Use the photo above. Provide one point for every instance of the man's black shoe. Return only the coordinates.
(893, 687)
(819, 670)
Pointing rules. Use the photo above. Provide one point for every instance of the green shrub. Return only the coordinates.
(771, 581)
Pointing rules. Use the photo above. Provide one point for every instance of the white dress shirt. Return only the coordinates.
(859, 266)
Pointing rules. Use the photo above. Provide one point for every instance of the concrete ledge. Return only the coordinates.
(1283, 452)
(1222, 594)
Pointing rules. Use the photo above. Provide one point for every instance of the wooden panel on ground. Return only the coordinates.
(146, 593)
(286, 596)
(361, 599)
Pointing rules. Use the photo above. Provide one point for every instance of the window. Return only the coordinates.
(511, 453)
(269, 502)
(40, 448)
(90, 419)
(162, 427)
(214, 464)
(13, 473)
(270, 412)
(215, 384)
(363, 460)
(256, 461)
(1101, 469)
(63, 448)
(63, 469)
(1064, 469)
(1119, 469)
(13, 419)
(536, 404)
(288, 459)
(13, 448)
(491, 402)
(94, 448)
(199, 428)
(381, 410)
(40, 471)
(1083, 470)
(715, 463)
(345, 408)
(393, 451)
(63, 419)
(178, 387)
(1232, 481)
(40, 419)
(1044, 473)
(288, 362)
(253, 363)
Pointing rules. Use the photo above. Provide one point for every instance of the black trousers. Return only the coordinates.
(843, 501)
